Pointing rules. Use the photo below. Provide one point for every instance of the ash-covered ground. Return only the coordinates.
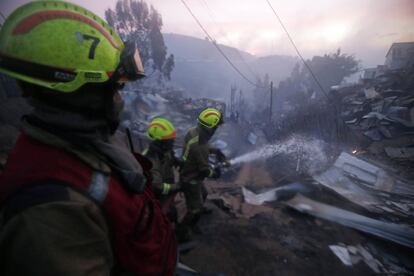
(242, 239)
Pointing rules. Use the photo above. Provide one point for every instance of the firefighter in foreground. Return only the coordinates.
(196, 167)
(162, 134)
(73, 199)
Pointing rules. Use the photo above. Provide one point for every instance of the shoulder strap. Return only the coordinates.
(52, 190)
(34, 194)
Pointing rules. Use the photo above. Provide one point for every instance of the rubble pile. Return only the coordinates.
(356, 211)
(371, 186)
(353, 254)
(382, 109)
(254, 230)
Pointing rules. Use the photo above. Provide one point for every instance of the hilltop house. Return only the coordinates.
(400, 55)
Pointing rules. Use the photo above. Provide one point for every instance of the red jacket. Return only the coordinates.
(144, 242)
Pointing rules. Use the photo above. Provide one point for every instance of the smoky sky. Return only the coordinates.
(364, 28)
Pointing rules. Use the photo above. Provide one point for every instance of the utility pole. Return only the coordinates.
(271, 101)
(240, 100)
(232, 100)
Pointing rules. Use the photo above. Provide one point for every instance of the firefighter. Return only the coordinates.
(162, 134)
(196, 167)
(73, 199)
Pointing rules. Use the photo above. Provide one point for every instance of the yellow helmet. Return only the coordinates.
(210, 118)
(62, 46)
(161, 129)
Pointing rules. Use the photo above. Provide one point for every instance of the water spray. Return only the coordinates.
(304, 150)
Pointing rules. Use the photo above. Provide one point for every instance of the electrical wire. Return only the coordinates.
(210, 12)
(208, 9)
(298, 52)
(218, 47)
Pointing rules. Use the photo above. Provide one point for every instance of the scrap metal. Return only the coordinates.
(398, 233)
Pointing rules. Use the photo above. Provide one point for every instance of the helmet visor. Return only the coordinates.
(130, 67)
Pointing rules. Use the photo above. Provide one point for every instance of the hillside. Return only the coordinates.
(201, 70)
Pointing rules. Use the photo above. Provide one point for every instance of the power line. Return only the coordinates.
(210, 12)
(333, 105)
(217, 46)
(208, 8)
(298, 52)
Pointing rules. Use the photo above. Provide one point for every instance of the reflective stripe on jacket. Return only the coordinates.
(162, 170)
(195, 165)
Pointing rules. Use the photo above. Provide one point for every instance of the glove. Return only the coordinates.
(227, 163)
(177, 162)
(216, 173)
(220, 156)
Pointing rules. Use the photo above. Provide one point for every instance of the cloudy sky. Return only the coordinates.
(365, 28)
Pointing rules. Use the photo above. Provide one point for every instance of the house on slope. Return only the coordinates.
(400, 55)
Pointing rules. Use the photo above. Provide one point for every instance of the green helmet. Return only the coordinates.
(210, 118)
(161, 129)
(60, 46)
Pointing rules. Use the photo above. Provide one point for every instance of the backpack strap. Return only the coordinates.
(50, 190)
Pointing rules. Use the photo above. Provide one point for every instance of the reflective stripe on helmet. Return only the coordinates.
(59, 45)
(156, 124)
(211, 113)
(30, 22)
(210, 117)
(161, 129)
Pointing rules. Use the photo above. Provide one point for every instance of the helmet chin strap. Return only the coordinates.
(163, 146)
(113, 110)
(206, 133)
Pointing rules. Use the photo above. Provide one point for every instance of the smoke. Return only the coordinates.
(307, 153)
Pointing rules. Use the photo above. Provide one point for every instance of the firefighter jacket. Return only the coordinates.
(195, 156)
(59, 216)
(162, 170)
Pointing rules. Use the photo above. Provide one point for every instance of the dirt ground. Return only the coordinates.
(242, 239)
